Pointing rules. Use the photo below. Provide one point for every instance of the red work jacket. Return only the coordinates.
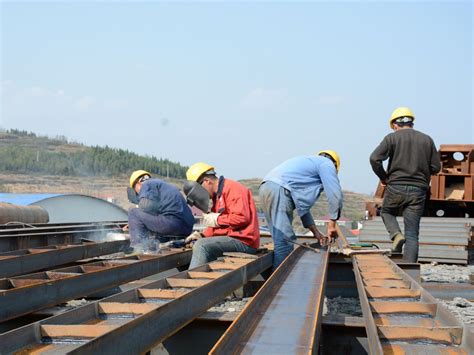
(238, 214)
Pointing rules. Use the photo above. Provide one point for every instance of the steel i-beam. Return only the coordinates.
(135, 321)
(28, 293)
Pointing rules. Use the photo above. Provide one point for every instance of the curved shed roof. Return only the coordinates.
(69, 208)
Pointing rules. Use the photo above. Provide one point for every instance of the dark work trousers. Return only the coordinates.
(141, 224)
(411, 201)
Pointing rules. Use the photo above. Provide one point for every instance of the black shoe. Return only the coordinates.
(397, 243)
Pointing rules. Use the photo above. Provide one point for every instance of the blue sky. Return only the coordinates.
(241, 85)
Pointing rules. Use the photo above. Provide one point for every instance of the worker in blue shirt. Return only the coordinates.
(162, 211)
(297, 184)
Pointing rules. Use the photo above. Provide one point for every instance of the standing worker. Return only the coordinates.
(232, 223)
(297, 184)
(162, 210)
(412, 159)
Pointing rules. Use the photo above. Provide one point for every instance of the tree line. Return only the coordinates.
(16, 157)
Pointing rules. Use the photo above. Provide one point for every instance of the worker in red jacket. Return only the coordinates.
(232, 223)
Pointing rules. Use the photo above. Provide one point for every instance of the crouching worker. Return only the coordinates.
(232, 223)
(162, 210)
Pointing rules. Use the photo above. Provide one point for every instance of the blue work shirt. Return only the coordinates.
(306, 177)
(166, 199)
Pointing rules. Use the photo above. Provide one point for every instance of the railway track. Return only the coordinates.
(285, 315)
(400, 316)
(20, 262)
(136, 320)
(24, 294)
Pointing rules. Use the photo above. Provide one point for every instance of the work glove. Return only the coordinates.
(210, 219)
(193, 237)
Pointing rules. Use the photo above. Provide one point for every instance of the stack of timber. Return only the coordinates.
(446, 240)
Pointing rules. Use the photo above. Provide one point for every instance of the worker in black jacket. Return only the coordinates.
(412, 159)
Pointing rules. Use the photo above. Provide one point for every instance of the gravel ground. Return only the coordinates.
(230, 305)
(461, 308)
(446, 273)
(342, 306)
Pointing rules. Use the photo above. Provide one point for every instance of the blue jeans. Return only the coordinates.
(142, 225)
(278, 207)
(209, 249)
(410, 200)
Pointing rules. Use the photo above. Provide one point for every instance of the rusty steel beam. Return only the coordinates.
(24, 236)
(28, 293)
(135, 321)
(399, 314)
(285, 315)
(20, 262)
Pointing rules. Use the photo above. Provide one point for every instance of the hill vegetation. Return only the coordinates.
(25, 152)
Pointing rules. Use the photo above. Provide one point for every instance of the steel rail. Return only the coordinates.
(285, 315)
(135, 321)
(400, 316)
(28, 293)
(20, 262)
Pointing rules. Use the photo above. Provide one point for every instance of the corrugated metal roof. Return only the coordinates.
(25, 199)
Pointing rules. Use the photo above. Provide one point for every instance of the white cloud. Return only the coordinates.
(85, 103)
(37, 91)
(265, 98)
(115, 104)
(330, 100)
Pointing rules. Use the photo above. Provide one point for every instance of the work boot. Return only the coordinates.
(397, 242)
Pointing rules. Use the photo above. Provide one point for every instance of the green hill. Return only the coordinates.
(25, 152)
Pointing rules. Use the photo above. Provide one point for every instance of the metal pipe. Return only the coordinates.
(24, 214)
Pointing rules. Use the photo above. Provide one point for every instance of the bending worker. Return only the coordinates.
(297, 184)
(232, 223)
(412, 159)
(162, 210)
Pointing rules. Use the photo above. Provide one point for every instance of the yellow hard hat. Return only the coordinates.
(400, 112)
(334, 157)
(137, 174)
(196, 170)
